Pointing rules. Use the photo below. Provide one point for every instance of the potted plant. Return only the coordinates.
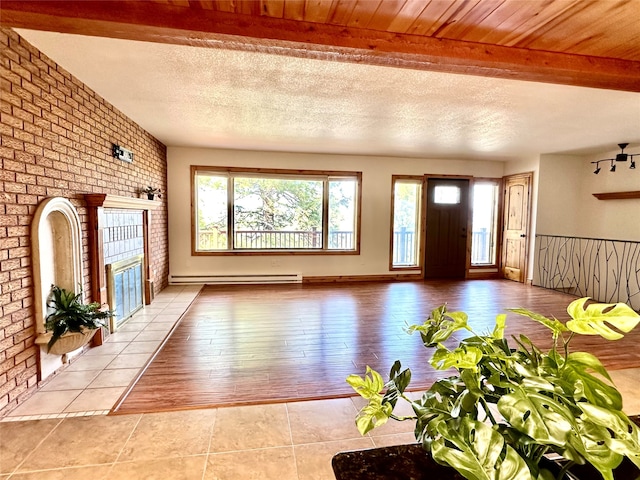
(71, 323)
(151, 192)
(508, 408)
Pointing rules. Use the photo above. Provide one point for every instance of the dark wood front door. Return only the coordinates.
(446, 237)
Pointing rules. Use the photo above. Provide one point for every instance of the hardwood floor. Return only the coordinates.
(269, 343)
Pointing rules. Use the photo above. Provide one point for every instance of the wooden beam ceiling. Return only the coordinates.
(175, 24)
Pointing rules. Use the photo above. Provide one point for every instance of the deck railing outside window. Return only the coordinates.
(404, 250)
(481, 248)
(270, 240)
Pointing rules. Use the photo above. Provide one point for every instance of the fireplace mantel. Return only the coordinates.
(96, 203)
(116, 201)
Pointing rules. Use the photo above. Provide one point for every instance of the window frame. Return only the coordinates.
(420, 222)
(286, 174)
(498, 182)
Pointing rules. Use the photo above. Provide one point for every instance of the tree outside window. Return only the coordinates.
(275, 210)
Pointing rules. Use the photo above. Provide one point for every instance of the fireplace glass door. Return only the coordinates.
(125, 288)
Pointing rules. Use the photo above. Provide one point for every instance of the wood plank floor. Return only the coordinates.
(264, 344)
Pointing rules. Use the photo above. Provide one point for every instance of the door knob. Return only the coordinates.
(522, 235)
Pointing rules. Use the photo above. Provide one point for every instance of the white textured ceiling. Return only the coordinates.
(189, 96)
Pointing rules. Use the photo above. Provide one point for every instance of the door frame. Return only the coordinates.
(527, 223)
(433, 176)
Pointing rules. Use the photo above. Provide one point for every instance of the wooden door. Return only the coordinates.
(446, 236)
(515, 239)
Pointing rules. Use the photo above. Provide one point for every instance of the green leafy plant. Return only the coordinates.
(508, 408)
(70, 314)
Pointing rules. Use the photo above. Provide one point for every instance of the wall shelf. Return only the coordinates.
(115, 201)
(617, 195)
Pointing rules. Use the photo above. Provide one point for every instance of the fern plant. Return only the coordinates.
(508, 408)
(70, 314)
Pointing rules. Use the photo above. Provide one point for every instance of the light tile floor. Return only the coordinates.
(60, 433)
(92, 383)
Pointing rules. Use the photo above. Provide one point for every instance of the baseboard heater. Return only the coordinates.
(235, 279)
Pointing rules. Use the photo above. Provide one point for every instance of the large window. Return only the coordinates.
(406, 211)
(485, 222)
(247, 210)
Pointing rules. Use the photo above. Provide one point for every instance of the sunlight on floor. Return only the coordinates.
(63, 432)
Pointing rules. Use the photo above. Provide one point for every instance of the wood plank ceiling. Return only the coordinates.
(593, 43)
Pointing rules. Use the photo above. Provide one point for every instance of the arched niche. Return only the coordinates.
(56, 239)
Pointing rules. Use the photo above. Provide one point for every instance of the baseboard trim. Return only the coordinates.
(471, 275)
(363, 278)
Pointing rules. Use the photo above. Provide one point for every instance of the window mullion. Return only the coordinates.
(230, 214)
(325, 214)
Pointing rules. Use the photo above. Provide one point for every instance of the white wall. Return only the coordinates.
(566, 205)
(559, 195)
(605, 271)
(376, 195)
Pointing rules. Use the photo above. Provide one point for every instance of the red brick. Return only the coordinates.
(10, 76)
(58, 139)
(22, 315)
(27, 335)
(6, 129)
(24, 135)
(14, 187)
(8, 243)
(17, 231)
(9, 386)
(12, 99)
(33, 109)
(16, 392)
(8, 220)
(26, 178)
(33, 149)
(32, 88)
(20, 252)
(12, 142)
(36, 170)
(21, 93)
(9, 308)
(25, 375)
(9, 363)
(33, 381)
(19, 367)
(12, 329)
(22, 114)
(7, 176)
(26, 158)
(7, 153)
(30, 199)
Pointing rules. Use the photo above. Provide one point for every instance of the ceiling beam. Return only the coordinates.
(166, 23)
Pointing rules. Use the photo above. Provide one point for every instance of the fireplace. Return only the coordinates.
(119, 232)
(125, 288)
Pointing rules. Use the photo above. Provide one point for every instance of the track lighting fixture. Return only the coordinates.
(620, 157)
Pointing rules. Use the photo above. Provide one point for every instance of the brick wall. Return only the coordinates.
(56, 136)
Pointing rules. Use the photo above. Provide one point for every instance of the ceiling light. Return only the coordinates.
(620, 157)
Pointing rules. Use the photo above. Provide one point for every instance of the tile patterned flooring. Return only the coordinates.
(62, 431)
